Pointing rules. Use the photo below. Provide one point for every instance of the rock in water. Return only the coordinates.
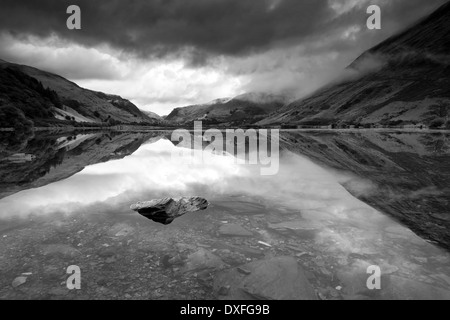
(166, 210)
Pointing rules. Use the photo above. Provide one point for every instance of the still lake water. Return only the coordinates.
(340, 203)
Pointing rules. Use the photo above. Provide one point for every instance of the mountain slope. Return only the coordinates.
(42, 97)
(404, 80)
(153, 115)
(243, 109)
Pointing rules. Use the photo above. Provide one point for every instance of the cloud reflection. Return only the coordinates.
(152, 170)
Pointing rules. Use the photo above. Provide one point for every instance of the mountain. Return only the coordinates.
(244, 109)
(31, 96)
(404, 80)
(153, 115)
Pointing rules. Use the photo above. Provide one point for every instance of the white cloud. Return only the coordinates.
(55, 55)
(344, 6)
(351, 33)
(162, 86)
(157, 85)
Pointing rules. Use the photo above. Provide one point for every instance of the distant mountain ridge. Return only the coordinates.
(153, 115)
(408, 83)
(31, 96)
(244, 109)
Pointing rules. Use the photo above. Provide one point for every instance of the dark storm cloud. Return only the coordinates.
(158, 27)
(213, 26)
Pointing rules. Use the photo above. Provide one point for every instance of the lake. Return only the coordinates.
(340, 203)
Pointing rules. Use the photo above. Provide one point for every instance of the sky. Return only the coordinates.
(164, 54)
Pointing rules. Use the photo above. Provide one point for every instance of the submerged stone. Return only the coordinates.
(279, 278)
(19, 281)
(166, 210)
(201, 260)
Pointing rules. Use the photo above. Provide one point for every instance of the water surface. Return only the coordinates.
(337, 205)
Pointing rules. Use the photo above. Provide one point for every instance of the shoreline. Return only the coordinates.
(148, 129)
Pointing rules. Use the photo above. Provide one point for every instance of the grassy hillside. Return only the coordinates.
(29, 96)
(24, 100)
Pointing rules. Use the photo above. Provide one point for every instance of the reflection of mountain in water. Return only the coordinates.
(55, 157)
(405, 175)
(409, 172)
